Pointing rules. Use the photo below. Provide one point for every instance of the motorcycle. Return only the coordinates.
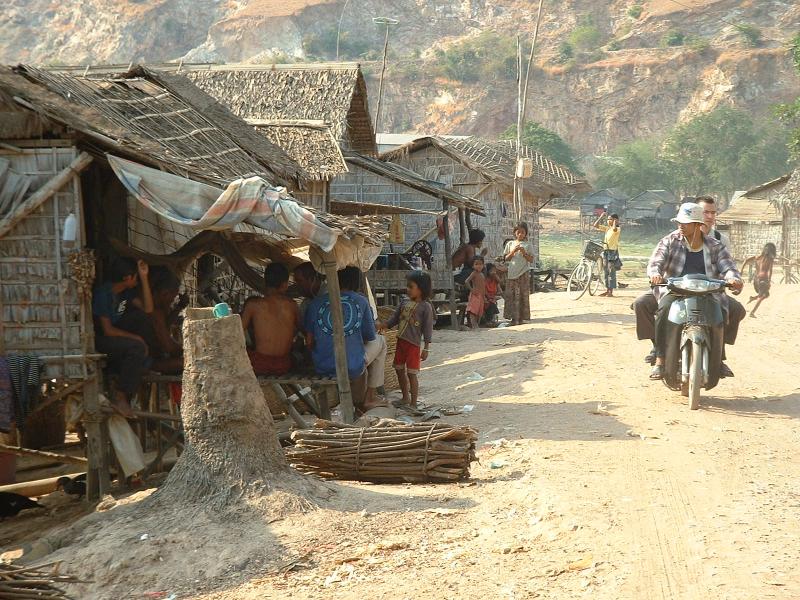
(695, 336)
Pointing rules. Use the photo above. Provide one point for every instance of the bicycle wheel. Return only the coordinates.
(579, 280)
(596, 276)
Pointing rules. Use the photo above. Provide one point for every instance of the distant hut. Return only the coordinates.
(787, 202)
(484, 170)
(754, 218)
(381, 187)
(652, 206)
(611, 200)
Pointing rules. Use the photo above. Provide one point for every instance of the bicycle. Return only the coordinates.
(588, 273)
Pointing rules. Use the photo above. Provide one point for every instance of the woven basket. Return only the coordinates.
(390, 378)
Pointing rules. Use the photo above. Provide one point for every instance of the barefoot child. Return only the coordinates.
(518, 254)
(414, 318)
(763, 279)
(493, 290)
(476, 283)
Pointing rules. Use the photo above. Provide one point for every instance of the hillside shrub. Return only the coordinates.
(750, 33)
(489, 56)
(672, 38)
(585, 37)
(565, 52)
(635, 11)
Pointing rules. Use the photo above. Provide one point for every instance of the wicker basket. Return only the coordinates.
(390, 378)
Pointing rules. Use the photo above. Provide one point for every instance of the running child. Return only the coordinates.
(763, 279)
(414, 318)
(476, 284)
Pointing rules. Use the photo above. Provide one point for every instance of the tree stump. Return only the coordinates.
(232, 451)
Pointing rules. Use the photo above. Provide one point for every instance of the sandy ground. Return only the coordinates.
(593, 481)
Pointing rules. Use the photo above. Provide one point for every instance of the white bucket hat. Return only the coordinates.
(689, 212)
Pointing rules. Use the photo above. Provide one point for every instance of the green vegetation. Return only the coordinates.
(672, 38)
(697, 43)
(565, 52)
(486, 57)
(751, 34)
(561, 250)
(586, 36)
(545, 141)
(614, 45)
(789, 114)
(635, 11)
(633, 167)
(721, 151)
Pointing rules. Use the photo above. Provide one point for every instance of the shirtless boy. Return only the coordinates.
(274, 319)
(763, 279)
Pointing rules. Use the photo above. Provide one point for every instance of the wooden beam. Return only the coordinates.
(462, 226)
(39, 487)
(63, 458)
(44, 193)
(98, 480)
(448, 252)
(339, 351)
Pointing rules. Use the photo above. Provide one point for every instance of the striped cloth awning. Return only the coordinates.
(204, 207)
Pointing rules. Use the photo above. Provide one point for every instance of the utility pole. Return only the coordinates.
(339, 28)
(522, 104)
(388, 23)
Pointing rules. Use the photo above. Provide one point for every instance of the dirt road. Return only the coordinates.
(602, 485)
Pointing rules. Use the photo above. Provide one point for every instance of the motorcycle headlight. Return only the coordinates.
(697, 285)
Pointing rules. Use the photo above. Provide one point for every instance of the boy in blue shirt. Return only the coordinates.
(359, 327)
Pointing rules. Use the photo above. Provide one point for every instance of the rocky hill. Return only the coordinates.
(608, 70)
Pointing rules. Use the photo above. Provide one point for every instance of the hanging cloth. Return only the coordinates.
(25, 373)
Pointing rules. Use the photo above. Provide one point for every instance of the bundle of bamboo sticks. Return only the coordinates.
(386, 453)
(30, 583)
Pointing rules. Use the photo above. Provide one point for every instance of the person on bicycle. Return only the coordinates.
(610, 250)
(684, 251)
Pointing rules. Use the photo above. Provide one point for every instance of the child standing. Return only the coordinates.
(518, 253)
(414, 318)
(476, 283)
(493, 289)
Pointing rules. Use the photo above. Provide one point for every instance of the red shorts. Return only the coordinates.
(407, 356)
(269, 365)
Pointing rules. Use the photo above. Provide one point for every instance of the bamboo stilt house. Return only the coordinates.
(124, 157)
(753, 219)
(484, 170)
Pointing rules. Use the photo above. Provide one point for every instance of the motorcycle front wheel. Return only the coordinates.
(695, 375)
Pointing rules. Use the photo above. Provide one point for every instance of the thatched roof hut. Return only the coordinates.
(310, 143)
(156, 118)
(335, 93)
(484, 170)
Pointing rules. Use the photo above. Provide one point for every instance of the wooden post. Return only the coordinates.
(468, 218)
(98, 481)
(462, 226)
(339, 351)
(448, 252)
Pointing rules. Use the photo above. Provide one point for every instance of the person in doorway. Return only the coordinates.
(115, 306)
(518, 253)
(476, 284)
(463, 257)
(273, 321)
(359, 329)
(683, 252)
(762, 282)
(167, 353)
(414, 319)
(610, 250)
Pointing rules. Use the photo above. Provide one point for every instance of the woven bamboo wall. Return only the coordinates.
(360, 185)
(37, 319)
(748, 239)
(496, 198)
(791, 234)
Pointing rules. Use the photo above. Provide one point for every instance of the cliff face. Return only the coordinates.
(632, 88)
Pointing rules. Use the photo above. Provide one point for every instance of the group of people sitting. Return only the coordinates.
(134, 312)
(483, 281)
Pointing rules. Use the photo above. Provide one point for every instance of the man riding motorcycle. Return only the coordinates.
(684, 251)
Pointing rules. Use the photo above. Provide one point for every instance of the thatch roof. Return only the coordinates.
(310, 143)
(335, 93)
(343, 207)
(757, 205)
(155, 118)
(496, 160)
(789, 196)
(413, 180)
